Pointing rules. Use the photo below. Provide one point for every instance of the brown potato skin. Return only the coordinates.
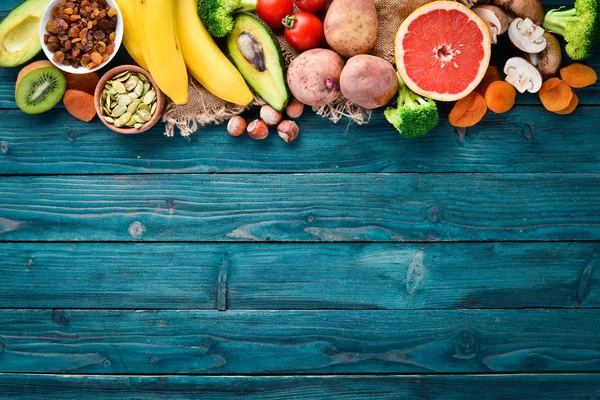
(351, 27)
(369, 81)
(314, 77)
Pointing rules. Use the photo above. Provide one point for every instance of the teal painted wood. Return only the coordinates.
(299, 276)
(360, 387)
(298, 342)
(56, 144)
(320, 207)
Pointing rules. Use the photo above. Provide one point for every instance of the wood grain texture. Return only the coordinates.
(299, 276)
(298, 342)
(527, 140)
(417, 387)
(321, 207)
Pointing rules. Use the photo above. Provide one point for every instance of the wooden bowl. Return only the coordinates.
(160, 99)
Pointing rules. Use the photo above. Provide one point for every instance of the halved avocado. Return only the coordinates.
(20, 33)
(255, 51)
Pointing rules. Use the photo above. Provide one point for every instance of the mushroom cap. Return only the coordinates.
(549, 61)
(531, 9)
(523, 75)
(495, 18)
(527, 36)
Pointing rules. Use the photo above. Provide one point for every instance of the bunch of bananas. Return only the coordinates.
(167, 38)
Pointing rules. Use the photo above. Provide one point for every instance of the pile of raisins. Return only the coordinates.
(81, 33)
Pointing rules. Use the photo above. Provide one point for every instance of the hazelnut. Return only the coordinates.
(271, 116)
(294, 109)
(288, 131)
(236, 126)
(258, 129)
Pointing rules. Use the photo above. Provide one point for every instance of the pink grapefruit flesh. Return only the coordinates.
(443, 50)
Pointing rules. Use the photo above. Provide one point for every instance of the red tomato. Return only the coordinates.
(303, 31)
(274, 11)
(312, 6)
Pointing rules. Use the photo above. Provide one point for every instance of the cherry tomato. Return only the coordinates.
(303, 31)
(312, 6)
(274, 11)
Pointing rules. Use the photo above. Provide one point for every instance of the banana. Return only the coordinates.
(131, 31)
(205, 61)
(161, 49)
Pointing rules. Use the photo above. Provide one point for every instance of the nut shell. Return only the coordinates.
(288, 131)
(294, 109)
(258, 129)
(271, 116)
(237, 126)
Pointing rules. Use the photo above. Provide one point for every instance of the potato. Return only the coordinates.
(351, 27)
(369, 81)
(314, 77)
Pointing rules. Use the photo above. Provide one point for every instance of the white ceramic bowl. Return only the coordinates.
(81, 70)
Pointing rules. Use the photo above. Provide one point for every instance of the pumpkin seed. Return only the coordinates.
(118, 111)
(132, 108)
(150, 97)
(128, 100)
(145, 115)
(119, 88)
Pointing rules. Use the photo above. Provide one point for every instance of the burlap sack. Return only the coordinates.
(204, 108)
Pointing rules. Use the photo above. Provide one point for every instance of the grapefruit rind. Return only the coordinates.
(399, 50)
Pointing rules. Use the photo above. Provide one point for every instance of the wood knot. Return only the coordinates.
(330, 351)
(434, 214)
(310, 219)
(584, 284)
(1, 345)
(4, 147)
(137, 230)
(153, 360)
(107, 363)
(527, 131)
(28, 264)
(466, 345)
(533, 362)
(58, 317)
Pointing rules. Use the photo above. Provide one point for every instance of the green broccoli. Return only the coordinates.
(414, 116)
(217, 15)
(580, 27)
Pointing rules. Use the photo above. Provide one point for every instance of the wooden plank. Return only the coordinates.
(321, 207)
(299, 276)
(298, 342)
(54, 143)
(359, 387)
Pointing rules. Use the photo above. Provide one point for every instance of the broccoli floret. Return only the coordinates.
(217, 15)
(414, 115)
(580, 27)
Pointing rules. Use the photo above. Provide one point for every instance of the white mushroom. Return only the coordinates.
(548, 61)
(496, 20)
(523, 75)
(527, 36)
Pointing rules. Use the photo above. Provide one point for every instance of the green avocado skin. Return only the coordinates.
(25, 17)
(269, 84)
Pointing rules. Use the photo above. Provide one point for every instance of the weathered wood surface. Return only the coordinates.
(298, 342)
(299, 276)
(360, 387)
(529, 139)
(320, 207)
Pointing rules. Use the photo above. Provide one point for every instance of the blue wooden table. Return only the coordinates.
(352, 266)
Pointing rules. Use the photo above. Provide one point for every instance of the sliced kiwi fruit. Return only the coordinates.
(40, 89)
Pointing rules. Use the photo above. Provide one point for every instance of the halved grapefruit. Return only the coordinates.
(443, 50)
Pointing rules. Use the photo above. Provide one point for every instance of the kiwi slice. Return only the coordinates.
(40, 90)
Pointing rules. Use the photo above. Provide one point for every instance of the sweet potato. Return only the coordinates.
(351, 27)
(314, 77)
(80, 105)
(369, 81)
(84, 82)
